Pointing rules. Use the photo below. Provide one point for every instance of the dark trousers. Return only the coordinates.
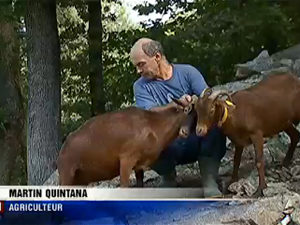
(189, 150)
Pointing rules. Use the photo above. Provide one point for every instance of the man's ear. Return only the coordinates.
(158, 57)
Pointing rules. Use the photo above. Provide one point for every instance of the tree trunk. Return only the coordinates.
(95, 57)
(12, 115)
(44, 139)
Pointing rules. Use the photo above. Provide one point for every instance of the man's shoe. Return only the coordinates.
(210, 187)
(209, 169)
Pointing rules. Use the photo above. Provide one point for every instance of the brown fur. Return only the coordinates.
(116, 143)
(260, 111)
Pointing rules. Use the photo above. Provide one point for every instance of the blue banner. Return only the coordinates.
(102, 212)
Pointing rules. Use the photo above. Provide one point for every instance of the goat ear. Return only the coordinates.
(194, 99)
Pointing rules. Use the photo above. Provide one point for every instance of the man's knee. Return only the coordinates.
(214, 144)
(181, 151)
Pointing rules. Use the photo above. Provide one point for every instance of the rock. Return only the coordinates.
(286, 62)
(295, 171)
(281, 62)
(292, 53)
(53, 179)
(296, 67)
(277, 188)
(262, 62)
(278, 70)
(239, 85)
(242, 188)
(267, 217)
(243, 71)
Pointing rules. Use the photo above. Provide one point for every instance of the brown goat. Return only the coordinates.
(264, 110)
(116, 143)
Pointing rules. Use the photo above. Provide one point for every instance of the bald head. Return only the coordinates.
(148, 58)
(146, 46)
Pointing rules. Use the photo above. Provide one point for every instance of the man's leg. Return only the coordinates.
(165, 167)
(213, 149)
(181, 151)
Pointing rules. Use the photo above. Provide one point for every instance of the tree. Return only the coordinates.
(44, 138)
(95, 57)
(12, 112)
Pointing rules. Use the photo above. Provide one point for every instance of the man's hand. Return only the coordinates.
(185, 99)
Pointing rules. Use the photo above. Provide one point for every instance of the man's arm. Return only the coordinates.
(145, 101)
(185, 100)
(198, 84)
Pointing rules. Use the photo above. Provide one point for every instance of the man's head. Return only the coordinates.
(147, 55)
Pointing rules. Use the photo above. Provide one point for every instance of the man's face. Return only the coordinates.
(146, 66)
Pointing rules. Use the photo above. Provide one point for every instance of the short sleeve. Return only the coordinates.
(142, 97)
(197, 82)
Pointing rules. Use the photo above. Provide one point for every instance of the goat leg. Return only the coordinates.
(237, 161)
(139, 175)
(258, 142)
(126, 166)
(293, 133)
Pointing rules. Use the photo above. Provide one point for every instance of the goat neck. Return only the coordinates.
(169, 122)
(222, 111)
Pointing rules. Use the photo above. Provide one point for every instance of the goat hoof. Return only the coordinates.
(258, 193)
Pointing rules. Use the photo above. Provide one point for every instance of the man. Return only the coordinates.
(161, 81)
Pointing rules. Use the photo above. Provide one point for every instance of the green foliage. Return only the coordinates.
(215, 35)
(118, 35)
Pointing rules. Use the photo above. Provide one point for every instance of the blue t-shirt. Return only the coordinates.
(186, 79)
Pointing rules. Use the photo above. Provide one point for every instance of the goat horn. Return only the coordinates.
(218, 94)
(226, 94)
(205, 92)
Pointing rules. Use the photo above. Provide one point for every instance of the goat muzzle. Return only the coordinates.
(201, 130)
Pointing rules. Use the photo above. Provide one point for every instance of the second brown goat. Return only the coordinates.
(264, 110)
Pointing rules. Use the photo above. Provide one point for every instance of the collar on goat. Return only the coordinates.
(224, 117)
(225, 114)
(229, 103)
